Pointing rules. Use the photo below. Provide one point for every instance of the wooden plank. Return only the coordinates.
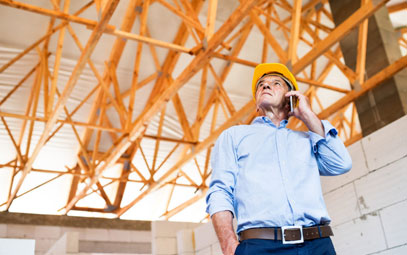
(37, 90)
(295, 31)
(321, 85)
(58, 55)
(151, 41)
(397, 7)
(223, 93)
(52, 13)
(339, 32)
(168, 214)
(136, 68)
(202, 93)
(159, 132)
(362, 46)
(182, 117)
(94, 38)
(211, 19)
(265, 44)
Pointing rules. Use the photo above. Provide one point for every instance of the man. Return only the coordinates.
(268, 176)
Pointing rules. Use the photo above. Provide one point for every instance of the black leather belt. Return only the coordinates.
(291, 234)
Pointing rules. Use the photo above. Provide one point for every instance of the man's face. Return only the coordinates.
(271, 92)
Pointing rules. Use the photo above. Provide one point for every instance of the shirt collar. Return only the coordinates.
(266, 120)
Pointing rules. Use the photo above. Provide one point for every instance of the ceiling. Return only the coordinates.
(110, 108)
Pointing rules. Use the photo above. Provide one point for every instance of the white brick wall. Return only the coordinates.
(359, 169)
(205, 236)
(342, 204)
(359, 236)
(377, 187)
(3, 230)
(394, 220)
(164, 236)
(51, 232)
(386, 145)
(383, 187)
(400, 250)
(185, 241)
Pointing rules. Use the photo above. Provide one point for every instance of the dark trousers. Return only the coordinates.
(320, 246)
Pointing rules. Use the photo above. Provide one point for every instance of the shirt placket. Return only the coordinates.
(281, 144)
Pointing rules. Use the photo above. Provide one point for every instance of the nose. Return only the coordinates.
(265, 86)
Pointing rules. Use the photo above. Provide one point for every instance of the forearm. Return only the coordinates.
(223, 225)
(313, 123)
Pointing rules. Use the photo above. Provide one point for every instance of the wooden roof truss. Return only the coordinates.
(303, 23)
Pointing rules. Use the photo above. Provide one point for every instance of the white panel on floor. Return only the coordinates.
(17, 246)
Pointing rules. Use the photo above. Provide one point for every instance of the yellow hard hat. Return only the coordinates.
(266, 68)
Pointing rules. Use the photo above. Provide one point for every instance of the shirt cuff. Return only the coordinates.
(329, 131)
(218, 206)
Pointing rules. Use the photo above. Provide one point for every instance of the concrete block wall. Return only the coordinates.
(206, 241)
(368, 205)
(90, 239)
(171, 238)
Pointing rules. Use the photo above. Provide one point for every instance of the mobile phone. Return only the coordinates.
(291, 104)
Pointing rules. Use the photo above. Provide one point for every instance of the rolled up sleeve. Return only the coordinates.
(224, 171)
(332, 156)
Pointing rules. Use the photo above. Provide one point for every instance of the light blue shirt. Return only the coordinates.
(269, 176)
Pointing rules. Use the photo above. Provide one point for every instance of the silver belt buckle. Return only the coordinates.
(294, 241)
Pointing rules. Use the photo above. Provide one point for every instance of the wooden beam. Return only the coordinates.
(295, 31)
(338, 33)
(182, 117)
(321, 85)
(211, 19)
(136, 67)
(362, 46)
(58, 55)
(371, 83)
(94, 38)
(397, 7)
(52, 13)
(151, 41)
(168, 214)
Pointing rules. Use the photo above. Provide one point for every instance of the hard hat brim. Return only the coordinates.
(266, 68)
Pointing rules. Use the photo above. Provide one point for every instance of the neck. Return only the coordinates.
(275, 115)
